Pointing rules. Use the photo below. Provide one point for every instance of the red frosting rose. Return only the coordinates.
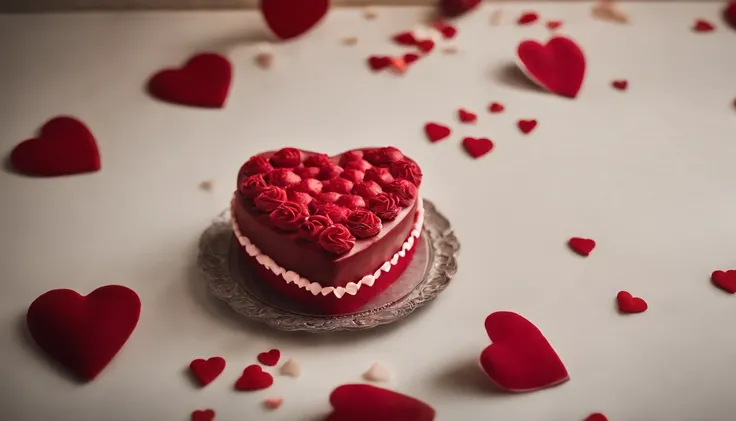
(328, 173)
(310, 186)
(286, 158)
(255, 165)
(312, 226)
(306, 172)
(407, 170)
(270, 198)
(351, 201)
(282, 177)
(336, 213)
(288, 216)
(336, 239)
(383, 157)
(385, 205)
(367, 189)
(353, 175)
(350, 156)
(404, 190)
(338, 185)
(299, 197)
(252, 186)
(358, 164)
(380, 175)
(318, 160)
(363, 223)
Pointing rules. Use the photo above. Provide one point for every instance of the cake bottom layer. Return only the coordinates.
(331, 303)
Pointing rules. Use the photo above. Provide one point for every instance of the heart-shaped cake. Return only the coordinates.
(321, 229)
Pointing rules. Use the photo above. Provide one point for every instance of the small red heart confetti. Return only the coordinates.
(379, 62)
(496, 107)
(477, 147)
(526, 126)
(730, 13)
(630, 304)
(363, 402)
(454, 8)
(436, 132)
(207, 370)
(558, 66)
(466, 116)
(411, 58)
(270, 358)
(596, 417)
(203, 415)
(204, 81)
(289, 19)
(273, 402)
(702, 25)
(254, 378)
(405, 38)
(447, 31)
(581, 246)
(553, 24)
(725, 280)
(527, 18)
(64, 146)
(621, 85)
(425, 46)
(520, 359)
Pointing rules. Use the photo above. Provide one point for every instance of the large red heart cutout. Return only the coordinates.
(362, 402)
(206, 371)
(726, 280)
(64, 146)
(84, 333)
(730, 13)
(291, 18)
(558, 66)
(520, 359)
(204, 81)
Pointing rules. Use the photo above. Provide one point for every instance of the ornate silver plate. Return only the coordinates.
(428, 274)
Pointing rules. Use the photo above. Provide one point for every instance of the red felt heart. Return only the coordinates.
(520, 359)
(405, 38)
(477, 147)
(702, 25)
(466, 116)
(527, 18)
(726, 280)
(621, 85)
(204, 81)
(630, 304)
(362, 402)
(730, 13)
(207, 370)
(447, 31)
(425, 46)
(270, 358)
(291, 18)
(596, 417)
(410, 58)
(581, 246)
(553, 24)
(84, 333)
(436, 132)
(526, 126)
(454, 8)
(379, 62)
(254, 378)
(64, 146)
(203, 415)
(558, 66)
(496, 107)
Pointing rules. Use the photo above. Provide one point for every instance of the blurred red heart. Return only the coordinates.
(203, 415)
(726, 280)
(526, 126)
(702, 25)
(363, 402)
(436, 132)
(630, 304)
(477, 147)
(581, 246)
(289, 18)
(204, 81)
(730, 13)
(621, 85)
(454, 8)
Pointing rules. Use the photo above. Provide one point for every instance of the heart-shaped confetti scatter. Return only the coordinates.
(377, 373)
(581, 246)
(204, 81)
(520, 359)
(84, 333)
(730, 13)
(596, 417)
(466, 116)
(270, 358)
(558, 66)
(273, 402)
(64, 146)
(630, 304)
(621, 85)
(289, 19)
(291, 368)
(203, 415)
(527, 17)
(379, 62)
(205, 371)
(553, 24)
(496, 107)
(254, 378)
(362, 402)
(725, 280)
(526, 126)
(436, 132)
(702, 25)
(477, 147)
(454, 8)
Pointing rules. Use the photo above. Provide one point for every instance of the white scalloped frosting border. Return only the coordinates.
(314, 287)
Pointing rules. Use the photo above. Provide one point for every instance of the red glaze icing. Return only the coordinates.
(310, 186)
(323, 198)
(319, 160)
(404, 190)
(408, 170)
(338, 185)
(351, 201)
(382, 176)
(286, 158)
(270, 198)
(288, 216)
(306, 172)
(300, 197)
(334, 212)
(358, 164)
(328, 173)
(282, 177)
(363, 223)
(256, 165)
(367, 189)
(252, 186)
(385, 205)
(350, 156)
(336, 239)
(383, 157)
(352, 175)
(312, 226)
